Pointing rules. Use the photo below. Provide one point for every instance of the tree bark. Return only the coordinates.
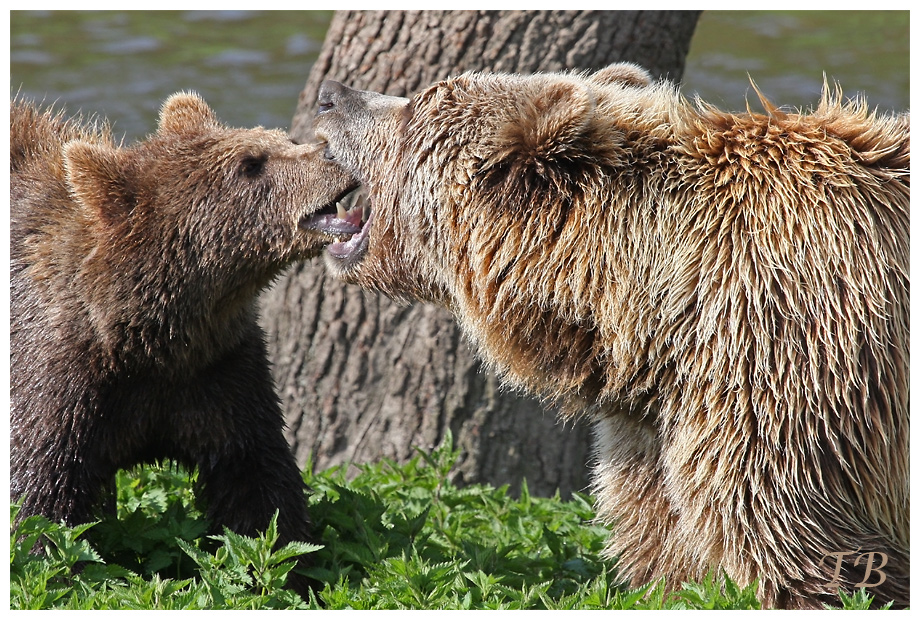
(362, 378)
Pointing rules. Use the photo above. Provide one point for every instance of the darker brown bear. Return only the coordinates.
(725, 295)
(134, 275)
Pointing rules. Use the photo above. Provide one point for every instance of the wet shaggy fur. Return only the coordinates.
(725, 295)
(134, 274)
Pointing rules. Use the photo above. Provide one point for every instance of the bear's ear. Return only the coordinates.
(624, 73)
(98, 180)
(186, 112)
(548, 118)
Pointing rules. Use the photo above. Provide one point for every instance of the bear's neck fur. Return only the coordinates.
(661, 225)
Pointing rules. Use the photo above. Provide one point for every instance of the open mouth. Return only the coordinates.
(345, 222)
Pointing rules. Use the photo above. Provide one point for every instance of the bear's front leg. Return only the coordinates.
(253, 476)
(56, 469)
(628, 481)
(231, 428)
(250, 481)
(742, 509)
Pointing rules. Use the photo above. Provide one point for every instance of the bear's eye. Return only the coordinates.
(252, 165)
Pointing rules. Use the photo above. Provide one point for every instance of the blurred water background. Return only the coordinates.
(251, 65)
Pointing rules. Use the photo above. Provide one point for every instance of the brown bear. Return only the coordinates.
(724, 295)
(133, 331)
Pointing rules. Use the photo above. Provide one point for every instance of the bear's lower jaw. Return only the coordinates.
(351, 251)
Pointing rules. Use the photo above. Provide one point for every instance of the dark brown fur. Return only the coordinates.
(134, 275)
(725, 295)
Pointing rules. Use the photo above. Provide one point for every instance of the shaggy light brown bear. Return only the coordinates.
(134, 275)
(725, 295)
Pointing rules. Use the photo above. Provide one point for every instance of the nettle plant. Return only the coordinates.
(393, 537)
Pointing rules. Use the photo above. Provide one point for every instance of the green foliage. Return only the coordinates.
(394, 537)
(155, 512)
(860, 599)
(405, 537)
(243, 574)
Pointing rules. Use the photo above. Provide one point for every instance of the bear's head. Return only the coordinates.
(214, 211)
(485, 190)
(468, 166)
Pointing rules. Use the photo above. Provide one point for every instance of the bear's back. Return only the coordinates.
(40, 134)
(45, 228)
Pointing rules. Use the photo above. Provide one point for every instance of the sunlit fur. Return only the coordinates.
(725, 295)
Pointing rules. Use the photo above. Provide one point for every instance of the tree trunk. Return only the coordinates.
(362, 378)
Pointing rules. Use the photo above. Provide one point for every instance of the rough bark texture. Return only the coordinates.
(362, 378)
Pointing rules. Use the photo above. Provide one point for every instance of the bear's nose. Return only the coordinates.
(330, 92)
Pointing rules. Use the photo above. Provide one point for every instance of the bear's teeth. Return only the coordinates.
(340, 211)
